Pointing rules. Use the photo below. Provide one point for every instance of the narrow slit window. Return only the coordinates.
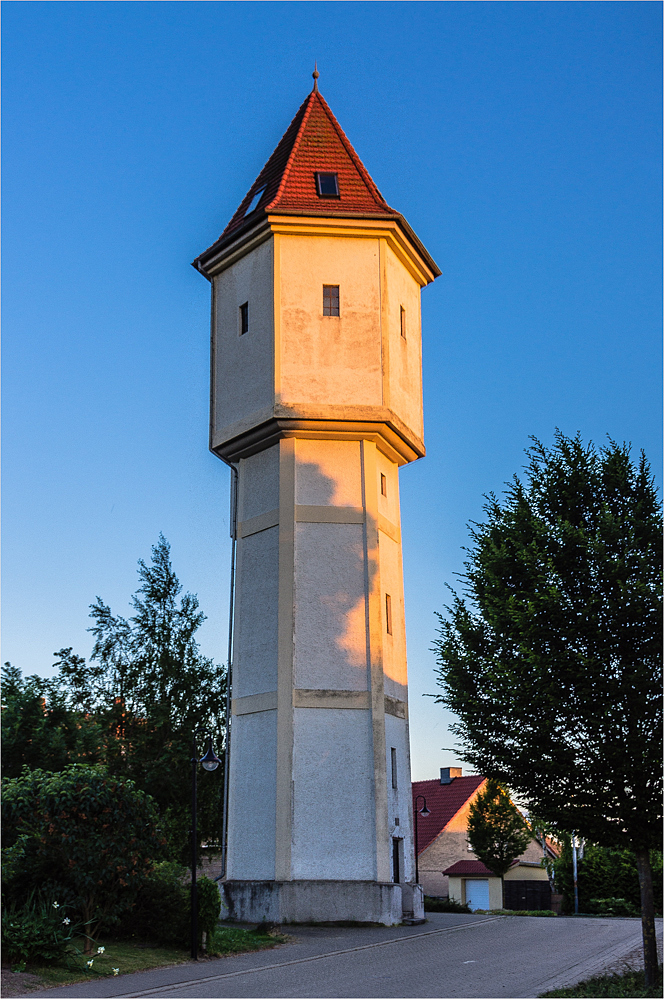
(388, 613)
(393, 754)
(403, 322)
(244, 318)
(330, 299)
(327, 185)
(383, 485)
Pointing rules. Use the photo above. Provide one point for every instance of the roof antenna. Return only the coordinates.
(315, 75)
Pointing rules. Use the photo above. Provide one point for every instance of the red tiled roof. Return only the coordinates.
(313, 141)
(468, 867)
(443, 801)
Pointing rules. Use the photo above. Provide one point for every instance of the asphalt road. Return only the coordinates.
(470, 957)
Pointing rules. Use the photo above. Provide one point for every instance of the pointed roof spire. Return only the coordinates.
(313, 143)
(315, 75)
(290, 183)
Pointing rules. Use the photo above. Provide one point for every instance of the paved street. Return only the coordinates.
(449, 956)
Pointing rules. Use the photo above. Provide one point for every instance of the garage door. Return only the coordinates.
(477, 894)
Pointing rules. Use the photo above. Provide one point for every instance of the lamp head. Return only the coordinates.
(424, 811)
(210, 761)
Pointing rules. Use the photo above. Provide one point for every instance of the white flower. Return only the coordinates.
(56, 905)
(66, 920)
(89, 963)
(116, 971)
(100, 950)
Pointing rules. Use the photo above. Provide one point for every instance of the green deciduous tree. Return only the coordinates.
(497, 830)
(552, 662)
(82, 837)
(133, 706)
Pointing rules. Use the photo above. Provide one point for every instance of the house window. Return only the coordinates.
(383, 484)
(330, 299)
(327, 185)
(244, 318)
(388, 613)
(403, 322)
(393, 755)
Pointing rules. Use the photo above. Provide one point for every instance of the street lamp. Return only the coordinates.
(424, 811)
(210, 762)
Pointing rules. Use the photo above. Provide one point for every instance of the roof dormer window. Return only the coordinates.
(254, 201)
(327, 185)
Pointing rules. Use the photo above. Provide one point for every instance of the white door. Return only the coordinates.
(477, 893)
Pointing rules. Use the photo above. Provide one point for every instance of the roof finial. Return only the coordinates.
(315, 75)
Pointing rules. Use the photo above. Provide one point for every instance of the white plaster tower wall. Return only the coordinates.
(317, 407)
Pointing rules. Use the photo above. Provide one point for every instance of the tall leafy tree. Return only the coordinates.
(134, 706)
(497, 831)
(551, 660)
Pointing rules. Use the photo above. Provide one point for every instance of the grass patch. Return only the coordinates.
(629, 984)
(126, 955)
(133, 955)
(233, 940)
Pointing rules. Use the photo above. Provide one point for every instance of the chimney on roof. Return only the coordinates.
(447, 774)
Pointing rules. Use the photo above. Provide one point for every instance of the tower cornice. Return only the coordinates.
(396, 231)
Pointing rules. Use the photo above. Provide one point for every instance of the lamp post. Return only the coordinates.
(210, 762)
(424, 811)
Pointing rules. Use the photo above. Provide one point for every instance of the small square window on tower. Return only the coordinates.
(330, 299)
(244, 318)
(383, 484)
(403, 322)
(388, 613)
(327, 185)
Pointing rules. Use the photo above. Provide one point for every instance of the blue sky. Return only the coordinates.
(520, 140)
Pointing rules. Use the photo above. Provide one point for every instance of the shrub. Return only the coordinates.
(81, 836)
(162, 911)
(605, 874)
(443, 904)
(613, 907)
(37, 931)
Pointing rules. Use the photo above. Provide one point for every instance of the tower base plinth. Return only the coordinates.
(321, 901)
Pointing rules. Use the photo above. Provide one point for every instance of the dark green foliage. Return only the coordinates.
(604, 874)
(553, 669)
(38, 930)
(627, 985)
(496, 828)
(133, 707)
(81, 837)
(40, 729)
(442, 904)
(233, 940)
(162, 912)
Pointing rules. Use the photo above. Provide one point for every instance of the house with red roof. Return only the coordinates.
(447, 864)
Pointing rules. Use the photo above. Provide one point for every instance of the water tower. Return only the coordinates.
(316, 400)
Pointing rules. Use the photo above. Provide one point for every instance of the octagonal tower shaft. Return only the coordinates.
(317, 400)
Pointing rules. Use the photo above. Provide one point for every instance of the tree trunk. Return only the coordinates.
(647, 916)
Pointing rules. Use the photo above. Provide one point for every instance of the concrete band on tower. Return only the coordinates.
(316, 399)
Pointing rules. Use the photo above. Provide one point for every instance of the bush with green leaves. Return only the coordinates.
(443, 904)
(36, 931)
(604, 874)
(162, 911)
(612, 907)
(81, 836)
